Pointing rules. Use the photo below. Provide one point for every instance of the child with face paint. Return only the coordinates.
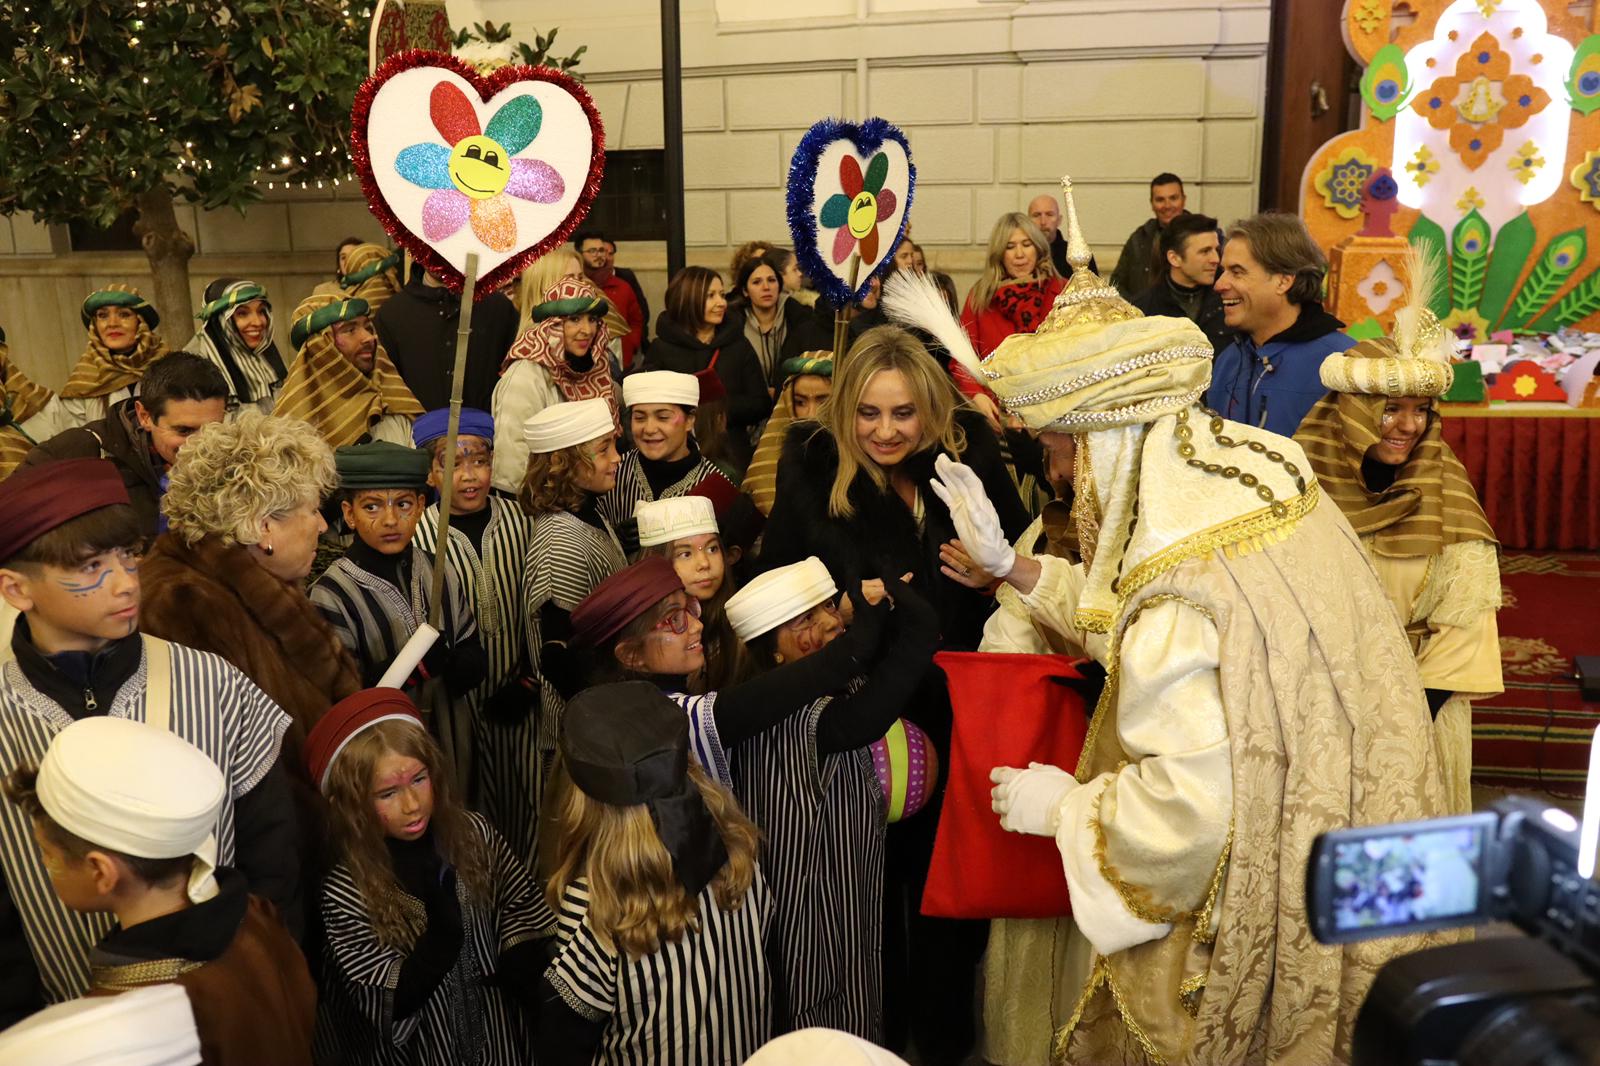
(559, 358)
(126, 818)
(378, 593)
(70, 549)
(489, 535)
(434, 930)
(789, 735)
(662, 904)
(809, 783)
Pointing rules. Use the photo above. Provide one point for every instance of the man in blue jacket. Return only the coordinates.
(1271, 288)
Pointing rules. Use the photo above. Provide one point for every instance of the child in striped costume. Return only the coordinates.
(489, 536)
(433, 929)
(663, 909)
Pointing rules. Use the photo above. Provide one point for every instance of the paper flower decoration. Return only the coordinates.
(474, 170)
(1583, 79)
(1480, 101)
(857, 210)
(849, 192)
(1342, 180)
(502, 167)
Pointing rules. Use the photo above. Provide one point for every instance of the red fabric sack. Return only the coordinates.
(1009, 710)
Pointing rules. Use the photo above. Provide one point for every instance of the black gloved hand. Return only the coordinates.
(865, 635)
(437, 662)
(515, 701)
(627, 532)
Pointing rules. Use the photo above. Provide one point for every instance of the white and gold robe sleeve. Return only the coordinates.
(1141, 845)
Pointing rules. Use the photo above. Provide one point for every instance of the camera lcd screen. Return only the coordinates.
(1380, 882)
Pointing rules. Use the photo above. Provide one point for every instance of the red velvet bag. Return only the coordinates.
(1009, 710)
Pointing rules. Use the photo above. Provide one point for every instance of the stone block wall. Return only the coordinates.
(998, 97)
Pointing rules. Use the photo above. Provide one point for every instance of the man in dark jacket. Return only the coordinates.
(1136, 267)
(1189, 245)
(178, 396)
(417, 327)
(1271, 289)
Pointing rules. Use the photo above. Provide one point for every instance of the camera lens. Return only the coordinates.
(1540, 1032)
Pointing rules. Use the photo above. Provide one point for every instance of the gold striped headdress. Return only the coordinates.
(1431, 502)
(326, 389)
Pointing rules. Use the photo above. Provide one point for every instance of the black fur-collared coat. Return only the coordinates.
(881, 539)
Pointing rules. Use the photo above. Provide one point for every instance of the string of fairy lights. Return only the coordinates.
(277, 173)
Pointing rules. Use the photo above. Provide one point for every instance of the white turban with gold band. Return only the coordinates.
(1384, 367)
(1094, 366)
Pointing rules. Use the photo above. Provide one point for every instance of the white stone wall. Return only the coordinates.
(998, 97)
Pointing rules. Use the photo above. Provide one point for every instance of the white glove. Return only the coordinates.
(974, 516)
(1029, 801)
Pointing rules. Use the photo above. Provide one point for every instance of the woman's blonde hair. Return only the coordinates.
(360, 839)
(879, 349)
(537, 281)
(232, 476)
(551, 482)
(635, 902)
(994, 267)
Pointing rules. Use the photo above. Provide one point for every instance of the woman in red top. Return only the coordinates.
(1018, 287)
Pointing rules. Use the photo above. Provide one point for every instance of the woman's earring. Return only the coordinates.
(266, 549)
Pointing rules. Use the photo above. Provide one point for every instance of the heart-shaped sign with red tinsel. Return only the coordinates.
(849, 196)
(455, 162)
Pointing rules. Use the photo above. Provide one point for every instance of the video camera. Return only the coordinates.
(1500, 999)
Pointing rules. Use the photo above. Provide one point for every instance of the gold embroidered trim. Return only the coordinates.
(1238, 536)
(1136, 899)
(138, 974)
(1101, 975)
(1189, 994)
(1102, 710)
(1202, 925)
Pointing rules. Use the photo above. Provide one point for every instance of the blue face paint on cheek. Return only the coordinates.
(78, 588)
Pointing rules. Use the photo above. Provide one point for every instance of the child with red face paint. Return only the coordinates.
(434, 929)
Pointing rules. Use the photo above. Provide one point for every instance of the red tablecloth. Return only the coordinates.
(1536, 468)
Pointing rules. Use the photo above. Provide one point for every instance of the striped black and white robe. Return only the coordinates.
(493, 580)
(699, 1002)
(822, 823)
(567, 558)
(212, 705)
(633, 488)
(465, 1020)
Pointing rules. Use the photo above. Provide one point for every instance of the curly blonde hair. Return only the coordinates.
(551, 482)
(635, 902)
(232, 476)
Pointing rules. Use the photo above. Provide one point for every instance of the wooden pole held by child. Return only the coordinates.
(447, 483)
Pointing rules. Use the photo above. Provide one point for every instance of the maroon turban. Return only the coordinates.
(711, 387)
(349, 717)
(621, 598)
(37, 499)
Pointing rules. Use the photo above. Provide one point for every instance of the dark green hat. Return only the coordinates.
(119, 296)
(822, 366)
(240, 292)
(371, 270)
(381, 465)
(571, 305)
(323, 317)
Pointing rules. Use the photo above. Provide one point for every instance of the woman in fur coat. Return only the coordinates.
(853, 489)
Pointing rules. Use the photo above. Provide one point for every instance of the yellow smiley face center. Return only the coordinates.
(863, 214)
(479, 167)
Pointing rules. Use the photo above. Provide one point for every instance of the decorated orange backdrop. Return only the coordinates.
(1487, 113)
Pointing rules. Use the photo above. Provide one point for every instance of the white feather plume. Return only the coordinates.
(1424, 275)
(914, 300)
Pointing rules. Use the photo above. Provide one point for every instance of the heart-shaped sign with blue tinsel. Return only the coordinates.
(503, 166)
(849, 197)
